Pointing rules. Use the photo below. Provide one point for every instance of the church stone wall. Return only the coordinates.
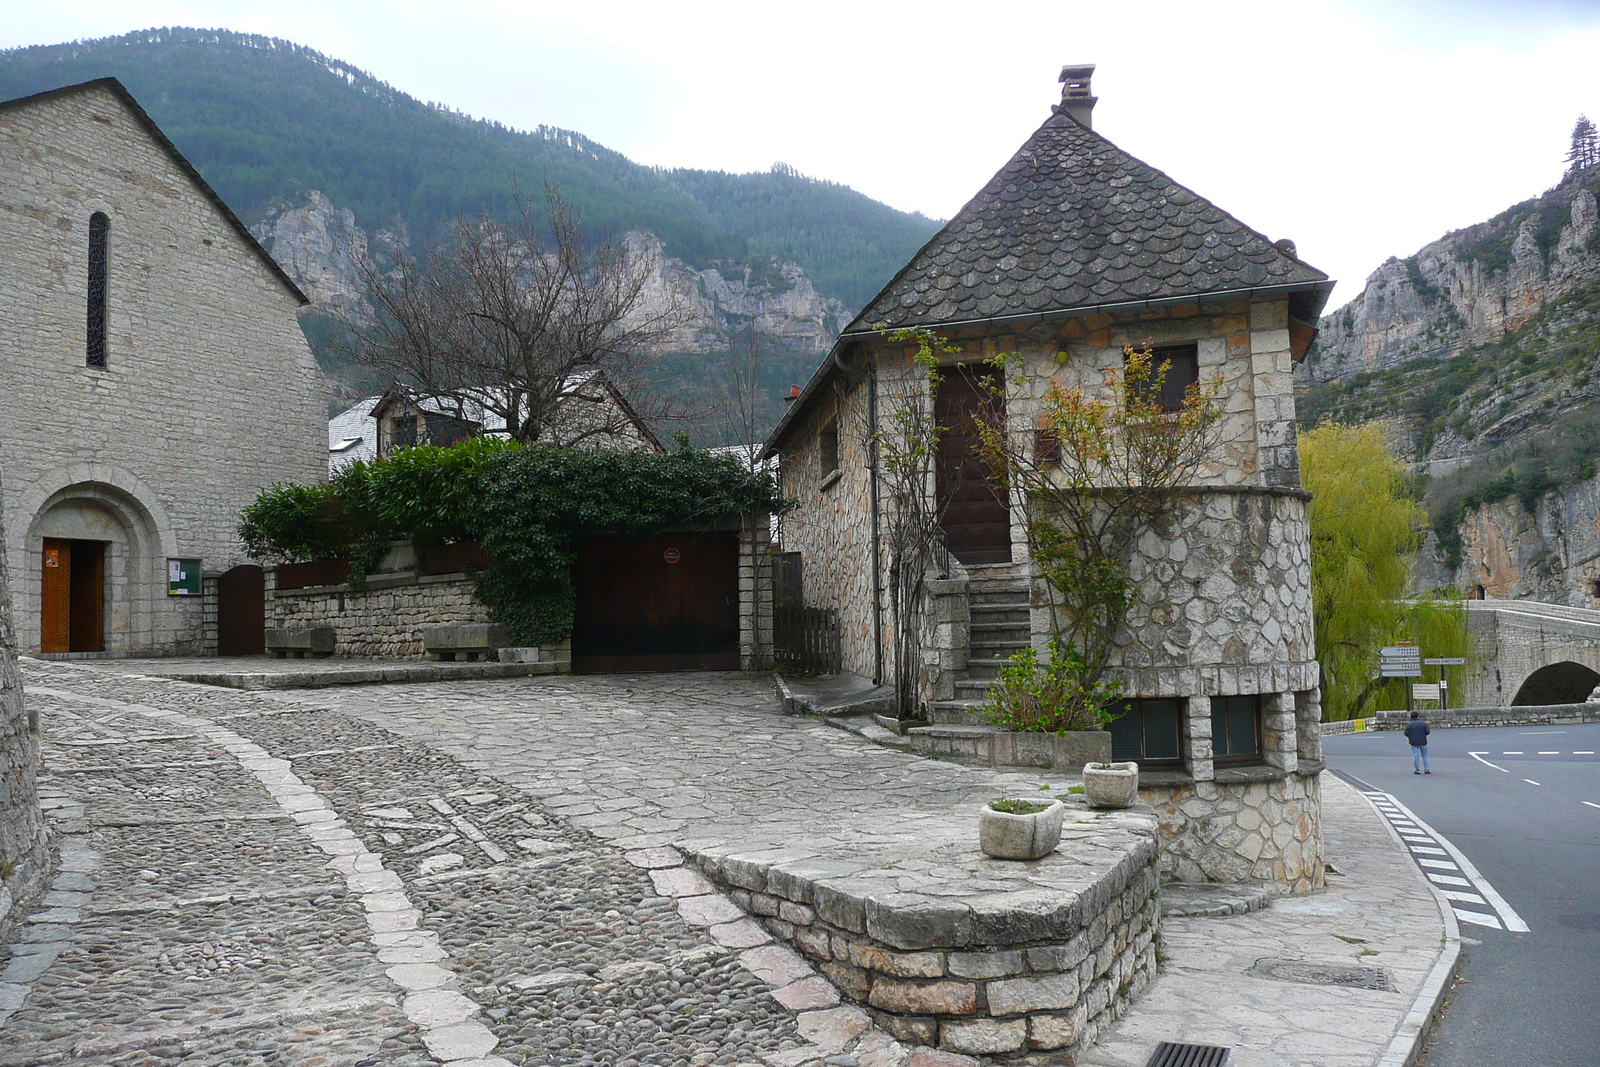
(210, 392)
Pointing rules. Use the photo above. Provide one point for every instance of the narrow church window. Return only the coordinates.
(99, 228)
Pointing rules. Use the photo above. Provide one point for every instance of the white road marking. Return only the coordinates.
(1477, 918)
(1510, 753)
(1440, 864)
(1446, 879)
(1479, 757)
(1429, 851)
(1592, 804)
(1530, 781)
(1549, 753)
(1507, 913)
(1583, 752)
(1465, 898)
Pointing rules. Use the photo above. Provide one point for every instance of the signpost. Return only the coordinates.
(1400, 661)
(1444, 686)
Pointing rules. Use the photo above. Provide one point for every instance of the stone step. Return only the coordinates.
(957, 743)
(998, 614)
(971, 688)
(986, 668)
(1213, 899)
(997, 597)
(956, 713)
(1015, 629)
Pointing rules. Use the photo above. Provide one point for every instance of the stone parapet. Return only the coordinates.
(386, 617)
(1529, 715)
(1016, 957)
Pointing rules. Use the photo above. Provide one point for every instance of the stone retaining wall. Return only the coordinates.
(1234, 829)
(385, 617)
(1039, 971)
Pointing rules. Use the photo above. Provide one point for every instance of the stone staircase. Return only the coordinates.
(998, 602)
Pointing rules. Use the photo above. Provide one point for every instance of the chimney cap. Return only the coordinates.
(1076, 98)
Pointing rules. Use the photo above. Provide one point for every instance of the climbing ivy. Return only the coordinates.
(528, 505)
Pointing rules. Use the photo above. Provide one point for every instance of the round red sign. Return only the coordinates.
(671, 555)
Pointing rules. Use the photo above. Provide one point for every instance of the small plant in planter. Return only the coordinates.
(1020, 829)
(1111, 785)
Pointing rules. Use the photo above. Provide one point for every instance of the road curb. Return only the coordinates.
(1413, 1033)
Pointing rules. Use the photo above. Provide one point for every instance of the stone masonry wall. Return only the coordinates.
(209, 393)
(1035, 980)
(24, 851)
(383, 619)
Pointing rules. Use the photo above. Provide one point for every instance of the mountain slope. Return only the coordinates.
(267, 121)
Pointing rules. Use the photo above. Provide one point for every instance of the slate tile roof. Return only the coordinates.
(1074, 222)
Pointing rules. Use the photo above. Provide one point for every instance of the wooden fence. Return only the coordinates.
(806, 640)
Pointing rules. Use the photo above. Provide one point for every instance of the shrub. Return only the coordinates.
(1054, 698)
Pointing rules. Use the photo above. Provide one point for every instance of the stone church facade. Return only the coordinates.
(1074, 251)
(155, 377)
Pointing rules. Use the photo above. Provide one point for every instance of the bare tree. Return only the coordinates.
(516, 322)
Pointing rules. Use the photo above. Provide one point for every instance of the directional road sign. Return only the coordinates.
(1399, 670)
(1446, 661)
(1400, 652)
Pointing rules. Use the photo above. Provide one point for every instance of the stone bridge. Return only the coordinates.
(1529, 653)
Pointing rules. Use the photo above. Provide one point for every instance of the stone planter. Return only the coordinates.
(1020, 837)
(1110, 785)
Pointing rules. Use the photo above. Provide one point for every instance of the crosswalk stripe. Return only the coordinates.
(1478, 918)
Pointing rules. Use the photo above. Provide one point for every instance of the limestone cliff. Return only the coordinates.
(321, 247)
(1470, 287)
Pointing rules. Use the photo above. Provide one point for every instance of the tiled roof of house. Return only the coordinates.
(1074, 222)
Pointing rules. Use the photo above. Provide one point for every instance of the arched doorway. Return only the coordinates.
(91, 581)
(1559, 683)
(242, 612)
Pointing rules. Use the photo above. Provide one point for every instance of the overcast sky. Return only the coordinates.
(1359, 128)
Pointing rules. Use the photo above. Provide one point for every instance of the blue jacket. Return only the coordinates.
(1417, 733)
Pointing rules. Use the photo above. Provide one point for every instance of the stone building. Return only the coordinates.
(591, 414)
(1073, 251)
(156, 377)
(24, 852)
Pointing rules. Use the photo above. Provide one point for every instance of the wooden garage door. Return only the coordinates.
(665, 603)
(242, 612)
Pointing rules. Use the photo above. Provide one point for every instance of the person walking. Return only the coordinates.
(1417, 733)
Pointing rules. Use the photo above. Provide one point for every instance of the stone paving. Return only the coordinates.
(483, 873)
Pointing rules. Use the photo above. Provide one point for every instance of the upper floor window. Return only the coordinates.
(828, 447)
(1182, 363)
(99, 231)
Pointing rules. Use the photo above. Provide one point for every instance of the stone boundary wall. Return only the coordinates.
(385, 618)
(1525, 715)
(1222, 830)
(1046, 971)
(24, 838)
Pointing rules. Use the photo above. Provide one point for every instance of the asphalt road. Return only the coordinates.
(1526, 813)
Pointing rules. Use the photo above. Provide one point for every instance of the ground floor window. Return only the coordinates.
(1236, 728)
(1146, 731)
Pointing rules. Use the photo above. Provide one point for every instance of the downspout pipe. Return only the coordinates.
(870, 376)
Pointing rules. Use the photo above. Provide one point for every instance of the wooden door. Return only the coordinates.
(242, 612)
(88, 596)
(977, 522)
(55, 604)
(664, 603)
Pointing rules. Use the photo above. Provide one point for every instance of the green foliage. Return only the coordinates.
(529, 506)
(1365, 531)
(266, 120)
(1055, 698)
(1017, 807)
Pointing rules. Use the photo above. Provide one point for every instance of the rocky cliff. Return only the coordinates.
(1481, 354)
(1469, 288)
(321, 247)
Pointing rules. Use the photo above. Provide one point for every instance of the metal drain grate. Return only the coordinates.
(1175, 1054)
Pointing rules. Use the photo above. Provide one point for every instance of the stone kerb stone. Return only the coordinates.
(977, 969)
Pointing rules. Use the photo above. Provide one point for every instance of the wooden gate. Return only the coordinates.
(72, 596)
(664, 603)
(242, 612)
(977, 523)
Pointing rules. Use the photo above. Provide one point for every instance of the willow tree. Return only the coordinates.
(1365, 532)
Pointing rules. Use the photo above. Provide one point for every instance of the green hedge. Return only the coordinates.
(528, 505)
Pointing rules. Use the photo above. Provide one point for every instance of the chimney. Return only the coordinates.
(794, 394)
(1076, 100)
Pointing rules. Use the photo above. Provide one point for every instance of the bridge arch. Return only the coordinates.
(1565, 682)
